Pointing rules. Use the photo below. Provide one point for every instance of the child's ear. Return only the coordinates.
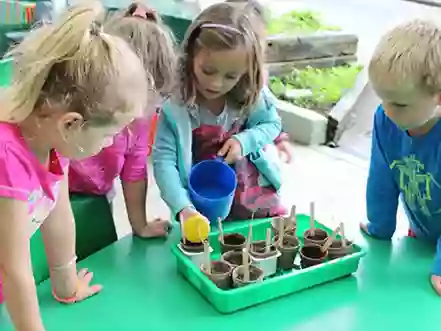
(438, 99)
(72, 121)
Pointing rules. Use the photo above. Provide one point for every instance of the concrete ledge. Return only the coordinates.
(341, 115)
(283, 68)
(311, 46)
(302, 125)
(309, 127)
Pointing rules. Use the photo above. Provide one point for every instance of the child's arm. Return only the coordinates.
(263, 126)
(381, 192)
(58, 232)
(135, 183)
(165, 167)
(15, 266)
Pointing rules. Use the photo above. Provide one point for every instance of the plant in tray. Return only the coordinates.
(219, 272)
(297, 22)
(264, 254)
(235, 258)
(340, 247)
(288, 247)
(317, 89)
(313, 235)
(288, 223)
(231, 241)
(314, 254)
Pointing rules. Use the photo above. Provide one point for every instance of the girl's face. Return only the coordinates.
(76, 140)
(406, 104)
(218, 72)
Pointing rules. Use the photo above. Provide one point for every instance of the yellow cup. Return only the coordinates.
(196, 228)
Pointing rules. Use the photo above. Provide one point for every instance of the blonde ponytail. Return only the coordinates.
(72, 62)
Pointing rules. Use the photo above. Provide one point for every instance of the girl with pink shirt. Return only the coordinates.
(74, 87)
(126, 158)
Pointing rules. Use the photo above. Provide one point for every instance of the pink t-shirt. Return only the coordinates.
(23, 177)
(126, 158)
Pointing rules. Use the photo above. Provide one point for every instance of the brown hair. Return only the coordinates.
(142, 28)
(75, 64)
(255, 11)
(410, 52)
(219, 27)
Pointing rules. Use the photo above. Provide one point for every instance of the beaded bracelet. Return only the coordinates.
(69, 300)
(73, 298)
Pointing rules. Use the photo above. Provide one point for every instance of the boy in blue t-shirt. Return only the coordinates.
(405, 72)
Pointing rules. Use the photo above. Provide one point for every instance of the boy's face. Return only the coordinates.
(406, 104)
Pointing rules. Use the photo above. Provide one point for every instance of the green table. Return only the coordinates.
(143, 291)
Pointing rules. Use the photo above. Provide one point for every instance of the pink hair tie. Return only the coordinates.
(139, 10)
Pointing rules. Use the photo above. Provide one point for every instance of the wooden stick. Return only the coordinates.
(330, 240)
(250, 235)
(245, 255)
(281, 230)
(312, 218)
(268, 241)
(207, 259)
(221, 230)
(293, 215)
(246, 265)
(342, 234)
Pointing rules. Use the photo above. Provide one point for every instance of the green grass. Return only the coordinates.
(299, 22)
(326, 85)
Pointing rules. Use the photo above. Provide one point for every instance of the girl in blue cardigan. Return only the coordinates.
(220, 109)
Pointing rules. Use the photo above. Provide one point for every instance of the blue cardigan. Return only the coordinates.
(172, 153)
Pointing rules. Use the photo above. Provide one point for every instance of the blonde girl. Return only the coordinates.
(74, 87)
(126, 158)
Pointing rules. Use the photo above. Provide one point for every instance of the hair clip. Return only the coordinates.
(220, 26)
(141, 11)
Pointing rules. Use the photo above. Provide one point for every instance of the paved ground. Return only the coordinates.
(334, 178)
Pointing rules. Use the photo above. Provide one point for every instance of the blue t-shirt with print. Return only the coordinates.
(410, 168)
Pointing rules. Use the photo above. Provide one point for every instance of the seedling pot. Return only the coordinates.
(267, 261)
(233, 242)
(220, 274)
(288, 248)
(195, 252)
(288, 225)
(318, 238)
(256, 276)
(337, 250)
(312, 255)
(235, 258)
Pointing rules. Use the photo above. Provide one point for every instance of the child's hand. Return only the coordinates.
(188, 212)
(436, 283)
(154, 229)
(285, 151)
(85, 290)
(231, 151)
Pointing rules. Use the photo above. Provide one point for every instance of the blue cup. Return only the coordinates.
(212, 184)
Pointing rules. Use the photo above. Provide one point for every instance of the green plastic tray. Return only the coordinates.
(228, 301)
